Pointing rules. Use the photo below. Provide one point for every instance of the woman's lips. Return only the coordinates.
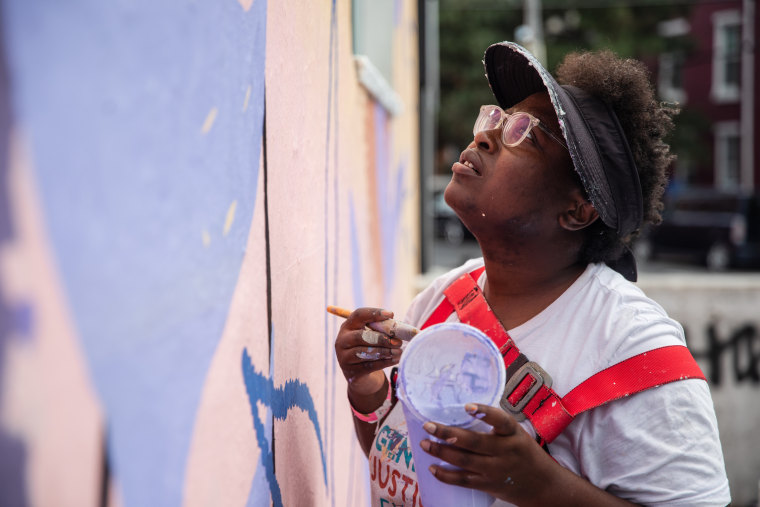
(465, 167)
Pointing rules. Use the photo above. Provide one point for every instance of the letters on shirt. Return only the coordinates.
(393, 446)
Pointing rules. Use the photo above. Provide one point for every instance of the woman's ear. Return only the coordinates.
(579, 215)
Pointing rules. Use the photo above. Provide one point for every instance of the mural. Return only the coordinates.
(184, 187)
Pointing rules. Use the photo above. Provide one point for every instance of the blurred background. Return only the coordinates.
(701, 56)
(184, 187)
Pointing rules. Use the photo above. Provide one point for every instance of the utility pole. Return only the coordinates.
(429, 103)
(747, 173)
(531, 34)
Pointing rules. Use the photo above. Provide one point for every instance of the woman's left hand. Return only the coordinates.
(506, 463)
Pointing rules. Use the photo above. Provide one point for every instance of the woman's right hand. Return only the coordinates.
(363, 353)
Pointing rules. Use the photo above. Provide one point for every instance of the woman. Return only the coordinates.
(555, 183)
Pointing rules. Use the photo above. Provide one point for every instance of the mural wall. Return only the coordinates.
(184, 187)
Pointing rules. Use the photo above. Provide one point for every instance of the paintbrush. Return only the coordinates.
(389, 327)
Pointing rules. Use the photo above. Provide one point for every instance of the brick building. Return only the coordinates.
(710, 69)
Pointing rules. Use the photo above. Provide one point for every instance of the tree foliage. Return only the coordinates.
(467, 28)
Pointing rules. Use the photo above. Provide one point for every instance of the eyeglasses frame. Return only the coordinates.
(534, 122)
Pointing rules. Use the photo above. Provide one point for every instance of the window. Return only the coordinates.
(726, 56)
(727, 155)
(373, 32)
(670, 75)
(670, 79)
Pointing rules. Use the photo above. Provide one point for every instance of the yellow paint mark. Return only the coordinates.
(247, 98)
(230, 217)
(210, 118)
(206, 238)
(246, 4)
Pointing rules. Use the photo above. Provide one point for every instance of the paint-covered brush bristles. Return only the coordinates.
(389, 327)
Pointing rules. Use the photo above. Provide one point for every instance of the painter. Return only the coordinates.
(603, 403)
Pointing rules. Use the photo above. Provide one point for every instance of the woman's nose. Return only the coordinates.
(488, 140)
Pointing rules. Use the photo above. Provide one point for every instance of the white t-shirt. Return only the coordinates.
(658, 447)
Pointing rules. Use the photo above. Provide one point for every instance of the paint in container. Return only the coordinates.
(445, 367)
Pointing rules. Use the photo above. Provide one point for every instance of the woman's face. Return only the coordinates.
(512, 193)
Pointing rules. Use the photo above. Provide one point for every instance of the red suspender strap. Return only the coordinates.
(528, 392)
(640, 372)
(442, 312)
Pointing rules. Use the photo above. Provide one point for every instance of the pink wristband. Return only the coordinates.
(377, 414)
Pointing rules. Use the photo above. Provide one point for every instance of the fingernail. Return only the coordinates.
(471, 408)
(387, 314)
(451, 440)
(433, 469)
(396, 352)
(425, 444)
(396, 342)
(429, 427)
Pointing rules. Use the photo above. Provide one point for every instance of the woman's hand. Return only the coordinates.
(363, 353)
(508, 464)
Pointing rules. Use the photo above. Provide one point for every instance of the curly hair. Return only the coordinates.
(624, 84)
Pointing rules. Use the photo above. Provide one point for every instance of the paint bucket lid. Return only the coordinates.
(446, 366)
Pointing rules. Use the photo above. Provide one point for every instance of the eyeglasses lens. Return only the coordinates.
(488, 119)
(517, 128)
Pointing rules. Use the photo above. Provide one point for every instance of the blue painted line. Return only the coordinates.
(293, 394)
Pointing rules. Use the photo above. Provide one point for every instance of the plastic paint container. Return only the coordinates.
(444, 367)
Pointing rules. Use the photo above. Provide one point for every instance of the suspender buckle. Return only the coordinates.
(522, 386)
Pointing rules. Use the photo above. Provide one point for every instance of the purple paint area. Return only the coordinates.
(356, 258)
(15, 318)
(398, 12)
(391, 193)
(113, 97)
(22, 320)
